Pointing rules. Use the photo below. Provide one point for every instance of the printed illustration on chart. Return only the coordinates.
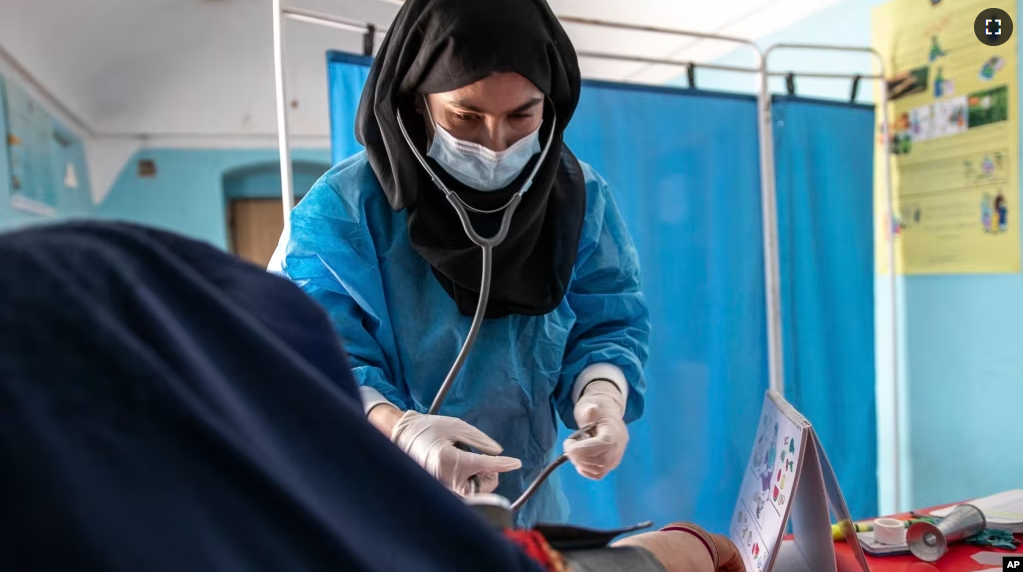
(765, 456)
(767, 486)
(954, 133)
(755, 551)
(784, 475)
(994, 213)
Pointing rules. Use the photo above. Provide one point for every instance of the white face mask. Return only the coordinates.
(476, 166)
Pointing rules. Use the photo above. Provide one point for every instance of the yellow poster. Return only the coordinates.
(954, 134)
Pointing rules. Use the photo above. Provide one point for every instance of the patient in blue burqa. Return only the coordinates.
(167, 407)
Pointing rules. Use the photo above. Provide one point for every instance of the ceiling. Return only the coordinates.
(204, 68)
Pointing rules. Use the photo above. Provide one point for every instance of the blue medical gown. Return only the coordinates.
(351, 252)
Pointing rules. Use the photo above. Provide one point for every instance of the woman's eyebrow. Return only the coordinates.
(528, 105)
(524, 107)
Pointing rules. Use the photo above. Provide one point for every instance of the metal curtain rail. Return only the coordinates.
(658, 30)
(280, 13)
(662, 61)
(889, 197)
(771, 277)
(330, 21)
(721, 67)
(766, 147)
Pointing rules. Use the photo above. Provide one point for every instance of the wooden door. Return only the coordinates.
(256, 226)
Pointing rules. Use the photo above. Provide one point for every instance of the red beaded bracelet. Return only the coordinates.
(698, 533)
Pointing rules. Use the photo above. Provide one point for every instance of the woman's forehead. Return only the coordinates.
(498, 93)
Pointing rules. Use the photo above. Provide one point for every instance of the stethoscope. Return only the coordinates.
(487, 245)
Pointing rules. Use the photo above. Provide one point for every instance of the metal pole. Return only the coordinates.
(893, 279)
(328, 20)
(769, 217)
(893, 287)
(287, 192)
(310, 17)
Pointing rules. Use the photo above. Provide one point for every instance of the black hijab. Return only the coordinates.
(435, 46)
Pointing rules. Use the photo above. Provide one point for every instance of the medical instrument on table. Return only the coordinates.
(889, 531)
(837, 534)
(487, 245)
(929, 542)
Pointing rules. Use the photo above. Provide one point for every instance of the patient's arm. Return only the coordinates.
(685, 552)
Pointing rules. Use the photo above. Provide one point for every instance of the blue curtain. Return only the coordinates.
(683, 165)
(824, 156)
(346, 75)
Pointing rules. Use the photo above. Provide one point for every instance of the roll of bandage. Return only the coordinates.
(889, 531)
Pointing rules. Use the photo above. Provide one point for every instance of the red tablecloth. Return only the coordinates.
(958, 559)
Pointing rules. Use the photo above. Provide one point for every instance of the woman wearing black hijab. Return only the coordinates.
(473, 98)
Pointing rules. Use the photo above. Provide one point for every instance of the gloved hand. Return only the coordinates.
(430, 440)
(601, 403)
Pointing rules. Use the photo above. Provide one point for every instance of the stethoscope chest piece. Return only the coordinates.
(494, 508)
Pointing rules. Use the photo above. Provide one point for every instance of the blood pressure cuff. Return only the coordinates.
(625, 559)
(563, 548)
(600, 558)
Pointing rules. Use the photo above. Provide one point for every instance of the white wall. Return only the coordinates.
(845, 23)
(205, 67)
(179, 68)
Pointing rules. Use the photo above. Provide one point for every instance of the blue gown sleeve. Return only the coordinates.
(331, 255)
(612, 318)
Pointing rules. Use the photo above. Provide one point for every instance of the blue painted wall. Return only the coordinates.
(187, 195)
(263, 181)
(962, 367)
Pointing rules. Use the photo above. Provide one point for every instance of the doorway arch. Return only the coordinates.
(252, 194)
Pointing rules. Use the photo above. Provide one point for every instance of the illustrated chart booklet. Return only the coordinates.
(788, 479)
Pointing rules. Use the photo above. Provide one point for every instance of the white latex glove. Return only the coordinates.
(430, 440)
(601, 403)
